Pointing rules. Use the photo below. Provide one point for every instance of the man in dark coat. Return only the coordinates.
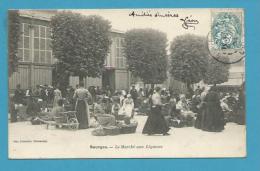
(134, 95)
(18, 95)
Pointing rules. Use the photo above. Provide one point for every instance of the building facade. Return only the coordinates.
(36, 58)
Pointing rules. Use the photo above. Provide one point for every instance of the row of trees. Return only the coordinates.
(81, 44)
(189, 58)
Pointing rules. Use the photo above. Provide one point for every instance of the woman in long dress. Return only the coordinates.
(57, 97)
(82, 96)
(156, 123)
(213, 119)
(200, 119)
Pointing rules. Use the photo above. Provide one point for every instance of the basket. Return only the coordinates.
(98, 132)
(176, 123)
(190, 121)
(120, 117)
(128, 129)
(111, 130)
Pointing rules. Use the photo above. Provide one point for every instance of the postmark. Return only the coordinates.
(226, 39)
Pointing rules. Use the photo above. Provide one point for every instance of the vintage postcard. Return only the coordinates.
(126, 83)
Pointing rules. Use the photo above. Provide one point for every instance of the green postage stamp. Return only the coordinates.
(227, 35)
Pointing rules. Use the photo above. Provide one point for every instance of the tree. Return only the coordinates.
(145, 50)
(13, 39)
(189, 59)
(80, 43)
(217, 72)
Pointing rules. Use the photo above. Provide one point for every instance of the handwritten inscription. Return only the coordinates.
(150, 14)
(187, 22)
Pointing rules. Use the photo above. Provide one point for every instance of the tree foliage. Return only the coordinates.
(191, 62)
(189, 58)
(80, 43)
(217, 72)
(13, 39)
(145, 50)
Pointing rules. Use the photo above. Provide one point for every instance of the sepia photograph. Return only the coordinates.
(126, 83)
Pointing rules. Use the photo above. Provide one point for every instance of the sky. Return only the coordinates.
(122, 20)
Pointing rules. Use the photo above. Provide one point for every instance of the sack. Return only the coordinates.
(93, 123)
(190, 121)
(98, 132)
(120, 117)
(176, 123)
(128, 129)
(111, 130)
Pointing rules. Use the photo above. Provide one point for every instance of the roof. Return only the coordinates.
(233, 82)
(38, 14)
(117, 31)
(47, 14)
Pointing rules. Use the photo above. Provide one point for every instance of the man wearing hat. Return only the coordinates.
(134, 95)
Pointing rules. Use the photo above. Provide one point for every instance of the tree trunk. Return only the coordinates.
(152, 86)
(81, 78)
(190, 91)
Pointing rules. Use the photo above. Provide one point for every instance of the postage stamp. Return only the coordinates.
(226, 39)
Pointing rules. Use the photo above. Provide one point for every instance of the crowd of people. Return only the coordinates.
(207, 109)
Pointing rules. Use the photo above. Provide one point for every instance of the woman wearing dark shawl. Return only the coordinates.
(213, 119)
(156, 123)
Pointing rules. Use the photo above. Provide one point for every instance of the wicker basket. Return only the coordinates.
(111, 130)
(128, 129)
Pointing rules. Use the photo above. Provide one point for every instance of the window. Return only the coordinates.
(108, 59)
(24, 44)
(120, 58)
(42, 44)
(35, 44)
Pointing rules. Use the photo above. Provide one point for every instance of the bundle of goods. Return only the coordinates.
(111, 130)
(21, 112)
(176, 123)
(93, 123)
(184, 120)
(120, 117)
(189, 121)
(120, 128)
(98, 132)
(229, 116)
(144, 107)
(127, 127)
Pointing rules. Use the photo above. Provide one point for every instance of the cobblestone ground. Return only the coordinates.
(35, 141)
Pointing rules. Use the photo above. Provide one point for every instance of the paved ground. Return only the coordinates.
(35, 141)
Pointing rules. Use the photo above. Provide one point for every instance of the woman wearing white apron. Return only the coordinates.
(57, 97)
(128, 106)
